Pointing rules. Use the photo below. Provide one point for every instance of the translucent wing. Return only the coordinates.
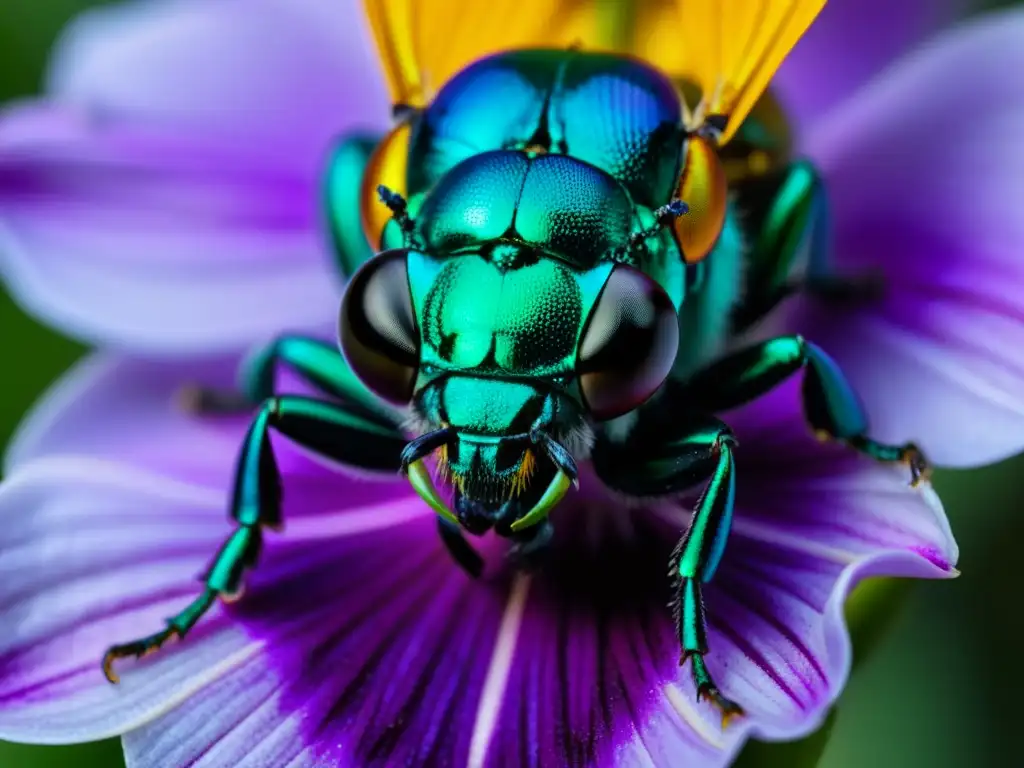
(731, 49)
(422, 43)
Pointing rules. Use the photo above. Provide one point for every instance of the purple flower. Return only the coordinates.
(163, 200)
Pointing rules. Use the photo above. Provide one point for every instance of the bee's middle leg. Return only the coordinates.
(786, 214)
(830, 404)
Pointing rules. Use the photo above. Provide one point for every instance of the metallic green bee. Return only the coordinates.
(555, 277)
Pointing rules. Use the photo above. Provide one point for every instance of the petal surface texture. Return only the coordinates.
(164, 195)
(849, 43)
(359, 642)
(925, 171)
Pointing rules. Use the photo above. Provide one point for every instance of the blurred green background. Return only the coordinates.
(940, 688)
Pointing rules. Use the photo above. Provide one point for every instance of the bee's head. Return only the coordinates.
(505, 399)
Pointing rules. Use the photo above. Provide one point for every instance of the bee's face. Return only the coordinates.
(510, 362)
(497, 457)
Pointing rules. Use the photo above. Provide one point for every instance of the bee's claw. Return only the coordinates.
(136, 648)
(920, 467)
(707, 690)
(729, 709)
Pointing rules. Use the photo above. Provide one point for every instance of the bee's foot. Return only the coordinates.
(728, 708)
(136, 648)
(708, 691)
(920, 467)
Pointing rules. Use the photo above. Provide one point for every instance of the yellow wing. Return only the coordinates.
(422, 43)
(731, 49)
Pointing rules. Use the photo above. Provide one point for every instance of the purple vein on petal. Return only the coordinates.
(353, 522)
(496, 682)
(767, 534)
(946, 366)
(742, 597)
(718, 622)
(239, 719)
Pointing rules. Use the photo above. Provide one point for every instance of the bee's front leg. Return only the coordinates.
(664, 457)
(329, 430)
(462, 551)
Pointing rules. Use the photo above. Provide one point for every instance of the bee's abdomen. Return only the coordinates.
(554, 203)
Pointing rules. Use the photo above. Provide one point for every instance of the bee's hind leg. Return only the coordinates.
(332, 431)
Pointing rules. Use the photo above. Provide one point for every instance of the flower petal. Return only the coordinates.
(924, 168)
(128, 411)
(835, 56)
(165, 197)
(93, 553)
(367, 644)
(286, 76)
(371, 639)
(88, 556)
(576, 664)
(380, 650)
(812, 521)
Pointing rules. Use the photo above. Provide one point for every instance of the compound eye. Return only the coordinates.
(703, 187)
(377, 328)
(628, 345)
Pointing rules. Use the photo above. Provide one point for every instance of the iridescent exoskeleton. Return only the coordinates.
(551, 258)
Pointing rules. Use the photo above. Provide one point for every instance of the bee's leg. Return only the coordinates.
(461, 550)
(316, 362)
(786, 216)
(831, 406)
(330, 430)
(341, 195)
(661, 459)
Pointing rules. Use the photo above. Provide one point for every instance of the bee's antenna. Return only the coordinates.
(669, 213)
(399, 210)
(663, 217)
